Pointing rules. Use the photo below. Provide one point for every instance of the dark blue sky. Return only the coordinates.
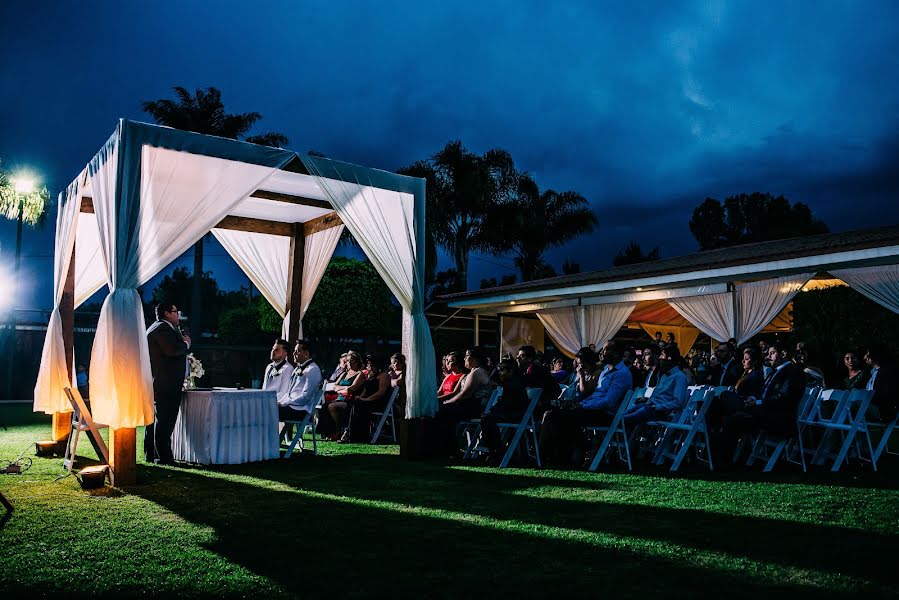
(645, 109)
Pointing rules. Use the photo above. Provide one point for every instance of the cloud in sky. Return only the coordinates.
(645, 110)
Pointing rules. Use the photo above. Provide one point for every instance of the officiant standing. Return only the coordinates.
(168, 351)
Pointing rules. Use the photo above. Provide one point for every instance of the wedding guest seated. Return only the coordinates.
(669, 395)
(509, 408)
(650, 367)
(774, 411)
(747, 389)
(450, 385)
(630, 358)
(278, 373)
(558, 371)
(305, 385)
(537, 376)
(397, 374)
(670, 340)
(885, 404)
(586, 374)
(728, 371)
(814, 377)
(562, 426)
(373, 396)
(856, 377)
(350, 383)
(339, 370)
(468, 402)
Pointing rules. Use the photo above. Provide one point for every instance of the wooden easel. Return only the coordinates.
(83, 421)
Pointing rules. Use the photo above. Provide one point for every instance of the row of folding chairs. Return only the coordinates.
(385, 429)
(520, 437)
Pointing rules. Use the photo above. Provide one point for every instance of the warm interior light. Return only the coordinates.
(24, 185)
(639, 289)
(512, 302)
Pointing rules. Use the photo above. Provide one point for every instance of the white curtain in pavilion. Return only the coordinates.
(880, 284)
(564, 326)
(713, 314)
(90, 269)
(389, 226)
(151, 204)
(602, 321)
(574, 327)
(759, 302)
(53, 376)
(317, 252)
(265, 259)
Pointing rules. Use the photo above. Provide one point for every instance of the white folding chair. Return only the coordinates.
(769, 448)
(886, 430)
(616, 427)
(850, 426)
(471, 428)
(525, 430)
(307, 422)
(83, 421)
(387, 414)
(684, 432)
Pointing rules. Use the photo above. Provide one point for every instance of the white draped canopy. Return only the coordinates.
(880, 284)
(156, 191)
(575, 327)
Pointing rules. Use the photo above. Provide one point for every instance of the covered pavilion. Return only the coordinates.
(151, 192)
(727, 293)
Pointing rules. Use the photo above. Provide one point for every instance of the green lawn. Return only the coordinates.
(360, 521)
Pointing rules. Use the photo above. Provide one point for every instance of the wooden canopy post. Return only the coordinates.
(295, 281)
(62, 421)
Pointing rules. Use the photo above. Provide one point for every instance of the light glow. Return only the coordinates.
(24, 185)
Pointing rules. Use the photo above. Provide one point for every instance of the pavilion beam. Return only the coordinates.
(295, 281)
(291, 199)
(62, 421)
(321, 223)
(256, 226)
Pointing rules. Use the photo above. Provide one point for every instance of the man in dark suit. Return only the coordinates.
(729, 370)
(168, 349)
(775, 411)
(650, 376)
(884, 404)
(537, 376)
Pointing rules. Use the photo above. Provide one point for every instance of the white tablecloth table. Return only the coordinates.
(227, 427)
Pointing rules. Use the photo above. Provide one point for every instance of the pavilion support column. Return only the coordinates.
(477, 329)
(736, 316)
(295, 281)
(123, 455)
(62, 421)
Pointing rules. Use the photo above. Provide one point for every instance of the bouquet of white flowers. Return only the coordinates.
(194, 371)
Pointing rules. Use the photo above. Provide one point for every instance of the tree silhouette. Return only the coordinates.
(531, 222)
(464, 188)
(204, 112)
(747, 218)
(633, 254)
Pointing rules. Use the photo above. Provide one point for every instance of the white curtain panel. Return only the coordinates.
(389, 227)
(90, 265)
(151, 204)
(265, 259)
(53, 376)
(564, 327)
(603, 321)
(759, 302)
(880, 284)
(713, 314)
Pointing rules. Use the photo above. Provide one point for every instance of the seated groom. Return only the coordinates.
(278, 372)
(305, 386)
(561, 426)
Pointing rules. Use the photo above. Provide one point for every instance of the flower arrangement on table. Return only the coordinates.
(194, 371)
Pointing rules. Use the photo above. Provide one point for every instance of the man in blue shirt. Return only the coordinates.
(562, 426)
(669, 395)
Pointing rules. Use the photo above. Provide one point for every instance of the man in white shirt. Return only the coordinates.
(305, 386)
(278, 372)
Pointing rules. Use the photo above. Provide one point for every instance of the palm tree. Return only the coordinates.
(534, 221)
(203, 112)
(463, 188)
